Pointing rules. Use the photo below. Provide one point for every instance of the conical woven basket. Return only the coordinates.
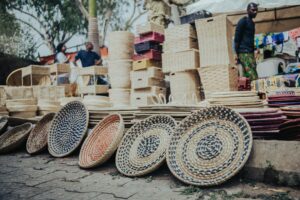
(119, 73)
(119, 97)
(120, 45)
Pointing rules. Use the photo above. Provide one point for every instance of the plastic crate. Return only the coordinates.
(191, 18)
(151, 54)
(152, 36)
(146, 46)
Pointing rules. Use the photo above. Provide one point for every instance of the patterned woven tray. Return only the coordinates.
(37, 140)
(209, 146)
(102, 142)
(68, 129)
(14, 138)
(143, 148)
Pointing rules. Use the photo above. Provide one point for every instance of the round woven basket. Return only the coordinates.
(209, 146)
(14, 138)
(120, 45)
(68, 129)
(119, 73)
(37, 140)
(102, 142)
(3, 124)
(143, 147)
(119, 97)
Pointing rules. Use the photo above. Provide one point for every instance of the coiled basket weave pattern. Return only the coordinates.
(209, 146)
(102, 142)
(37, 140)
(143, 147)
(68, 129)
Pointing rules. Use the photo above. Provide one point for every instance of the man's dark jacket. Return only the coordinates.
(244, 36)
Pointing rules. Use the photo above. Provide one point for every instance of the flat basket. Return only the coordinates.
(102, 142)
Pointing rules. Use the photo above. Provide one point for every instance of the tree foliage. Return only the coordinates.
(53, 20)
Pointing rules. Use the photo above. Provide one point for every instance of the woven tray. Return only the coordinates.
(14, 138)
(68, 129)
(37, 140)
(102, 142)
(209, 147)
(142, 149)
(3, 124)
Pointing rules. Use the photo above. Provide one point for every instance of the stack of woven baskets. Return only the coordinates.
(48, 98)
(217, 72)
(181, 59)
(147, 79)
(119, 67)
(21, 102)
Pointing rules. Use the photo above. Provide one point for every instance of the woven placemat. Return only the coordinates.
(102, 142)
(68, 129)
(143, 147)
(14, 138)
(37, 140)
(3, 124)
(209, 146)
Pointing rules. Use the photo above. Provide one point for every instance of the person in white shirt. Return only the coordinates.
(61, 54)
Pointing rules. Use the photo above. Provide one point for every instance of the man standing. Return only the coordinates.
(244, 42)
(88, 57)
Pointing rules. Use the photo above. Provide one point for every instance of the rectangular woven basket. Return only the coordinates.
(153, 90)
(50, 92)
(180, 31)
(144, 64)
(215, 41)
(144, 82)
(180, 61)
(184, 44)
(149, 27)
(219, 78)
(152, 72)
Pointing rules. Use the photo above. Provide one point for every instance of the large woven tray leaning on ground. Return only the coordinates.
(3, 124)
(14, 138)
(37, 140)
(209, 147)
(143, 147)
(68, 129)
(102, 142)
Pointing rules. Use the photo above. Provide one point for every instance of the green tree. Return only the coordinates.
(53, 20)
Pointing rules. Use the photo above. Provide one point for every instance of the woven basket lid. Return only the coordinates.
(37, 140)
(143, 147)
(68, 129)
(14, 138)
(209, 146)
(3, 124)
(102, 142)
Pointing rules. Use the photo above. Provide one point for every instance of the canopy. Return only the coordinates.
(224, 6)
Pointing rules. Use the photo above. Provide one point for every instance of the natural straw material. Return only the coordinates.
(14, 138)
(37, 140)
(68, 129)
(3, 124)
(102, 142)
(143, 148)
(209, 147)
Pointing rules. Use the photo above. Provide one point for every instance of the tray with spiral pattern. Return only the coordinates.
(102, 142)
(68, 129)
(37, 140)
(143, 147)
(209, 146)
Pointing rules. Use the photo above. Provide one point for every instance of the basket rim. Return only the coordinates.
(82, 135)
(112, 146)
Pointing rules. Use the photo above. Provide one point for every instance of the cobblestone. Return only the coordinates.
(43, 177)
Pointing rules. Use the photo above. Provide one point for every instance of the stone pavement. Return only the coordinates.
(43, 177)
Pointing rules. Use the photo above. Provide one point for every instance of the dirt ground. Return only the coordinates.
(43, 177)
